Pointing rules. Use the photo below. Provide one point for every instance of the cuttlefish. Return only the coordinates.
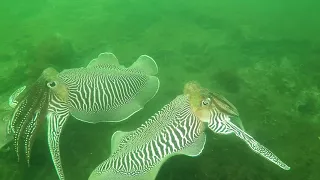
(104, 91)
(178, 128)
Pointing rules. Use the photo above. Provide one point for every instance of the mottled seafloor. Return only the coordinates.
(263, 56)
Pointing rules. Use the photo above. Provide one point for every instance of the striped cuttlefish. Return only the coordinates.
(178, 128)
(103, 91)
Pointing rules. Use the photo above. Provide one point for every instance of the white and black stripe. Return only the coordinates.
(220, 123)
(97, 90)
(217, 122)
(170, 130)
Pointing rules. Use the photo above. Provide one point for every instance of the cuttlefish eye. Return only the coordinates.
(205, 102)
(52, 84)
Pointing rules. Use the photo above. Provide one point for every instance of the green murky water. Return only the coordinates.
(264, 56)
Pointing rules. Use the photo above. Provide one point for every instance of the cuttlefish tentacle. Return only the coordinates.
(29, 113)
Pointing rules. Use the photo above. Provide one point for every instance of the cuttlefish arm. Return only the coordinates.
(257, 147)
(14, 98)
(29, 112)
(55, 126)
(58, 113)
(217, 112)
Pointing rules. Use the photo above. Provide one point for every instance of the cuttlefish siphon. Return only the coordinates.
(178, 128)
(104, 91)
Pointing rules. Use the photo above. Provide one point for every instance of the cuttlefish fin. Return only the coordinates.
(145, 64)
(55, 125)
(195, 148)
(106, 58)
(257, 147)
(117, 138)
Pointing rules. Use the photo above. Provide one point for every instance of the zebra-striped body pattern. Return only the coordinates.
(169, 131)
(103, 88)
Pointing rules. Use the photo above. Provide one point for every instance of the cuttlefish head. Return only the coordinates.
(30, 109)
(219, 113)
(204, 103)
(57, 87)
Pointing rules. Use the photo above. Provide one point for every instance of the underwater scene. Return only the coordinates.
(159, 90)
